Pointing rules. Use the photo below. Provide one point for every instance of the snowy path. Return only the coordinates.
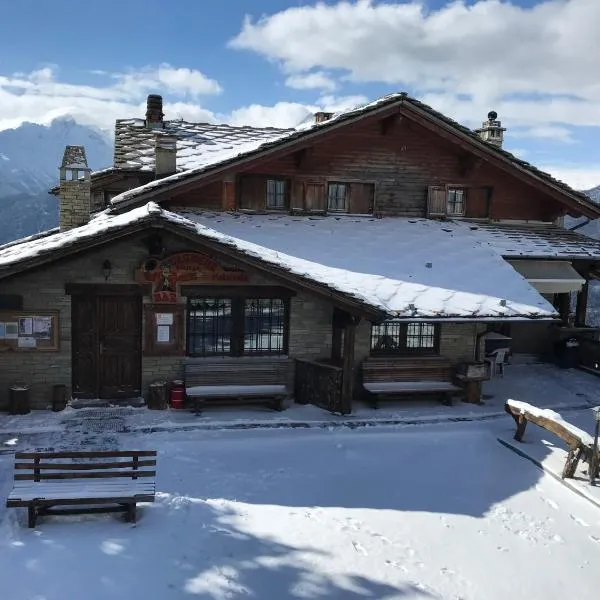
(434, 512)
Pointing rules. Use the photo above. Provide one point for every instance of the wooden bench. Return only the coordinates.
(580, 443)
(396, 376)
(103, 481)
(243, 380)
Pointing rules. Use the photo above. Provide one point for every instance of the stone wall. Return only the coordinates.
(44, 289)
(75, 203)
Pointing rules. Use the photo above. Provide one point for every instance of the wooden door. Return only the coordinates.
(107, 346)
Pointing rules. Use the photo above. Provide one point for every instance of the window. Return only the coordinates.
(276, 194)
(237, 326)
(337, 197)
(456, 202)
(264, 325)
(393, 337)
(209, 326)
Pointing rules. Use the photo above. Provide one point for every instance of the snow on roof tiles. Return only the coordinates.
(543, 241)
(414, 268)
(197, 143)
(408, 268)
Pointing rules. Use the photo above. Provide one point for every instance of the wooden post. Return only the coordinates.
(348, 364)
(337, 330)
(582, 303)
(563, 306)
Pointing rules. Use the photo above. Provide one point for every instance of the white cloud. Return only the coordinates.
(490, 50)
(331, 103)
(578, 177)
(317, 80)
(282, 114)
(40, 96)
(546, 132)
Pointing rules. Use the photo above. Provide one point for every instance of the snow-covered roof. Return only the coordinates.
(215, 146)
(529, 241)
(197, 143)
(405, 268)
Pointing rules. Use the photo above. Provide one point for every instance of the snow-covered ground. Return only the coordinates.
(406, 511)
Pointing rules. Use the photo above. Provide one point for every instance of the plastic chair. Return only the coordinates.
(496, 360)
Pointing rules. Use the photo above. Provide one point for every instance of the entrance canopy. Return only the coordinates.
(550, 276)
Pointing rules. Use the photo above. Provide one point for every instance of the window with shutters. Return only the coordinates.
(394, 337)
(354, 197)
(446, 200)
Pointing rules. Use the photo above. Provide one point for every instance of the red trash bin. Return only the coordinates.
(177, 394)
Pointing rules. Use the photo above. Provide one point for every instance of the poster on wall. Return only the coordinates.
(42, 327)
(25, 326)
(163, 333)
(164, 318)
(11, 331)
(27, 342)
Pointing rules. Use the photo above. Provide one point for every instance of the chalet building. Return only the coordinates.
(377, 245)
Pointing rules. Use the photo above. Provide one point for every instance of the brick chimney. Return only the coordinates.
(491, 130)
(165, 155)
(154, 112)
(75, 189)
(321, 117)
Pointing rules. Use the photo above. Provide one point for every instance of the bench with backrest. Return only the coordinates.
(580, 443)
(82, 482)
(396, 376)
(243, 380)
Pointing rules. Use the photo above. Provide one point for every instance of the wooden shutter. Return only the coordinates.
(253, 192)
(478, 202)
(361, 198)
(297, 195)
(314, 197)
(436, 201)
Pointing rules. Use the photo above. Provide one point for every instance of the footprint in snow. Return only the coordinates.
(550, 503)
(359, 548)
(579, 521)
(595, 539)
(396, 565)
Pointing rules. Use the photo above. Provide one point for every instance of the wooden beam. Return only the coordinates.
(348, 364)
(107, 289)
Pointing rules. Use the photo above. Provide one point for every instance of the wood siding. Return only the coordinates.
(401, 161)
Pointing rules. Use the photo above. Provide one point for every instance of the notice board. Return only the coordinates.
(29, 331)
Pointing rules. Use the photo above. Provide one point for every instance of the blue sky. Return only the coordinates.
(273, 62)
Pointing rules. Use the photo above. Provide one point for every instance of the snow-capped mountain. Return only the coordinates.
(29, 159)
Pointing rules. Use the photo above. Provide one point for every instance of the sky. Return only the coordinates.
(274, 62)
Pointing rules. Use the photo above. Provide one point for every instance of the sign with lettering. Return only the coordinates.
(167, 274)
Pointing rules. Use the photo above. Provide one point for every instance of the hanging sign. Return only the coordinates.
(167, 274)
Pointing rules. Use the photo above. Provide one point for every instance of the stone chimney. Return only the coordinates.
(165, 155)
(321, 117)
(154, 112)
(75, 188)
(491, 130)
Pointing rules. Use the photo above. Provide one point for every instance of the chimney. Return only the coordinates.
(491, 130)
(154, 112)
(75, 188)
(321, 117)
(165, 155)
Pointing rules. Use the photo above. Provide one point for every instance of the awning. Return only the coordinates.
(550, 276)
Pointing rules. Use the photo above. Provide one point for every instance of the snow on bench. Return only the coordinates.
(115, 480)
(388, 376)
(242, 380)
(581, 443)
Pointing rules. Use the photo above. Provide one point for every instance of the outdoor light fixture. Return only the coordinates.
(106, 269)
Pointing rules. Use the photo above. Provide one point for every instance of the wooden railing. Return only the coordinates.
(319, 384)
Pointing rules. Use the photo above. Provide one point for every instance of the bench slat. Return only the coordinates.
(84, 475)
(98, 454)
(83, 466)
